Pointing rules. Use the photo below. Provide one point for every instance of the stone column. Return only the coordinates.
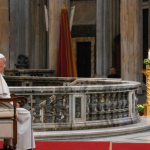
(4, 29)
(131, 40)
(68, 7)
(114, 23)
(102, 36)
(54, 28)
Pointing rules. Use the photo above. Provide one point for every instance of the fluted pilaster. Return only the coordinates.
(102, 38)
(54, 23)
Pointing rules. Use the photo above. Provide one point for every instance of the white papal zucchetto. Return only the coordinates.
(1, 55)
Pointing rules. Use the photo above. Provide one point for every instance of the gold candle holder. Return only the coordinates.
(147, 104)
(147, 66)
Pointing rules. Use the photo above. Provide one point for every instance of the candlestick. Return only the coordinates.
(149, 54)
(147, 104)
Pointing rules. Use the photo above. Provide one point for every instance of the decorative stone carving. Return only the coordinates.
(78, 107)
(58, 108)
(87, 107)
(66, 108)
(37, 110)
(108, 102)
(124, 101)
(119, 101)
(114, 101)
(101, 102)
(99, 107)
(22, 62)
(59, 116)
(48, 109)
(93, 107)
(113, 106)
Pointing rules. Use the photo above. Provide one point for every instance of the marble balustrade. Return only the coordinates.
(84, 104)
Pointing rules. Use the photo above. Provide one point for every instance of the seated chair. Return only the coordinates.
(8, 122)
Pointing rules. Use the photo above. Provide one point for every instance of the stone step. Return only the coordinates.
(143, 125)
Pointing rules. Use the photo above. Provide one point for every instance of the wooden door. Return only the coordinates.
(84, 59)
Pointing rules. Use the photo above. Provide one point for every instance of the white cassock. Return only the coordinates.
(24, 138)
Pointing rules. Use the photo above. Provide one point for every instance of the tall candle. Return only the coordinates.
(149, 54)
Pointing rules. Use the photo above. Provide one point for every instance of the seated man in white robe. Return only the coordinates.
(24, 139)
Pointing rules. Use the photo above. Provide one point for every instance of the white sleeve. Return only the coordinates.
(8, 96)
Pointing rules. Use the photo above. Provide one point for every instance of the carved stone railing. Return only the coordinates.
(37, 81)
(29, 72)
(106, 106)
(93, 103)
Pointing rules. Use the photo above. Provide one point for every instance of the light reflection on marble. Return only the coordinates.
(111, 84)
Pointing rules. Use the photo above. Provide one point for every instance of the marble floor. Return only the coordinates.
(135, 133)
(141, 137)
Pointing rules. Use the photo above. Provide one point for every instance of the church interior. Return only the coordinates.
(62, 56)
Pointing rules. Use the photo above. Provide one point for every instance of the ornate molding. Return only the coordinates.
(85, 39)
(145, 5)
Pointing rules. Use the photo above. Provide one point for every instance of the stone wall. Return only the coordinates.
(4, 29)
(28, 32)
(85, 12)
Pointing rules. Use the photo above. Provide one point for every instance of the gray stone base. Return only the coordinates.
(143, 125)
(41, 127)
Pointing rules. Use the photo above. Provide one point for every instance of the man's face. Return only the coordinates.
(112, 70)
(2, 64)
